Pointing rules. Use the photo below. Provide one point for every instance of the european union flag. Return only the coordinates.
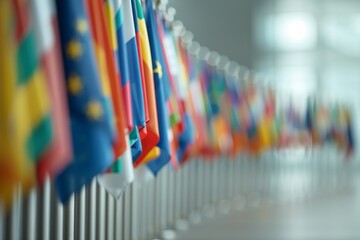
(91, 129)
(162, 112)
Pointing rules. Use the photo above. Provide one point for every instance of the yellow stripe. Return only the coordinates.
(145, 46)
(101, 60)
(21, 109)
(31, 105)
(110, 19)
(154, 153)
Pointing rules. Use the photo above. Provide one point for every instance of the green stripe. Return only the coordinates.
(39, 138)
(117, 166)
(139, 10)
(174, 119)
(134, 136)
(27, 59)
(118, 19)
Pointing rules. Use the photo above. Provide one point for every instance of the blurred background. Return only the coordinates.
(302, 48)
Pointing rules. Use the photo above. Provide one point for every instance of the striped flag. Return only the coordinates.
(59, 153)
(123, 62)
(137, 95)
(25, 116)
(150, 150)
(162, 111)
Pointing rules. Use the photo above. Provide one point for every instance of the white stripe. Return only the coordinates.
(116, 4)
(128, 20)
(43, 25)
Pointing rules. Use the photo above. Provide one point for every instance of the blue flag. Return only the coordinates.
(91, 129)
(162, 111)
(137, 94)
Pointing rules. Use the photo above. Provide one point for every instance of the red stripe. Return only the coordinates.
(59, 152)
(23, 18)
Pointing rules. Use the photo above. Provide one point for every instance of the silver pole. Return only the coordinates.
(91, 211)
(134, 211)
(150, 209)
(69, 219)
(100, 214)
(57, 215)
(29, 216)
(119, 219)
(80, 205)
(164, 198)
(127, 214)
(110, 217)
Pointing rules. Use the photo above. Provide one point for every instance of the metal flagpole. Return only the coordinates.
(57, 215)
(69, 219)
(110, 217)
(29, 216)
(79, 226)
(119, 218)
(91, 211)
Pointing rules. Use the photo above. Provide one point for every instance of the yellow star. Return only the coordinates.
(158, 69)
(94, 110)
(74, 49)
(81, 26)
(74, 84)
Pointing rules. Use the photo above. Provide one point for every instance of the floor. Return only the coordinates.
(335, 216)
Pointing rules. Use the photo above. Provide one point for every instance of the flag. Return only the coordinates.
(91, 128)
(350, 141)
(25, 116)
(143, 131)
(162, 111)
(105, 53)
(137, 95)
(170, 99)
(186, 138)
(123, 62)
(119, 175)
(150, 150)
(59, 152)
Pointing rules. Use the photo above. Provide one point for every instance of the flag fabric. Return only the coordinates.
(26, 127)
(133, 65)
(123, 62)
(119, 175)
(137, 96)
(95, 88)
(150, 150)
(59, 152)
(162, 111)
(91, 126)
(143, 131)
(108, 71)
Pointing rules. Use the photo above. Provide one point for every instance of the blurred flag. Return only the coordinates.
(170, 98)
(59, 153)
(343, 130)
(106, 60)
(25, 121)
(187, 137)
(137, 96)
(350, 141)
(121, 173)
(123, 62)
(162, 111)
(143, 131)
(92, 132)
(150, 150)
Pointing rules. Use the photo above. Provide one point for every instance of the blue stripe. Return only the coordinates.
(137, 95)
